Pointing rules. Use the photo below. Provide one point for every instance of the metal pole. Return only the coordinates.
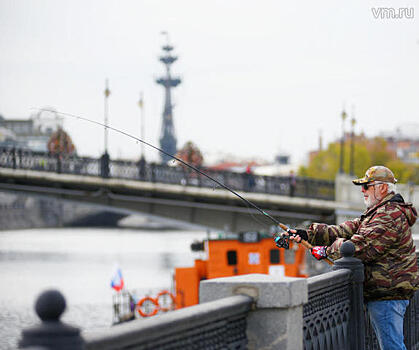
(351, 171)
(141, 104)
(107, 93)
(342, 142)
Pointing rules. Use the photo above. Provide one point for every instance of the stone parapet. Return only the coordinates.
(276, 320)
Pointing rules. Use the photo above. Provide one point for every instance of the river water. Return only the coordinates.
(80, 262)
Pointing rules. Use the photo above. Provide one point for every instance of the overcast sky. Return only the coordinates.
(259, 77)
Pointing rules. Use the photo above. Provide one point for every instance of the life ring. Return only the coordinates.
(147, 300)
(163, 294)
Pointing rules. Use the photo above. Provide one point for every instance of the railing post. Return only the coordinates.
(104, 165)
(59, 168)
(276, 319)
(244, 182)
(153, 172)
(199, 177)
(306, 187)
(141, 168)
(19, 153)
(13, 158)
(356, 325)
(51, 333)
(266, 179)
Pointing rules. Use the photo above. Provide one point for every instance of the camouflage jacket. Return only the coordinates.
(383, 241)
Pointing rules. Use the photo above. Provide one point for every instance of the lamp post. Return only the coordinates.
(141, 105)
(106, 116)
(353, 122)
(142, 163)
(342, 142)
(104, 166)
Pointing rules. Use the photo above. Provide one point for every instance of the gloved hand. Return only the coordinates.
(319, 252)
(302, 233)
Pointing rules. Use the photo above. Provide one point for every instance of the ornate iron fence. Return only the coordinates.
(335, 318)
(280, 185)
(327, 313)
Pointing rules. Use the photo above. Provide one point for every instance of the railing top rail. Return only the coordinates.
(162, 173)
(169, 323)
(328, 280)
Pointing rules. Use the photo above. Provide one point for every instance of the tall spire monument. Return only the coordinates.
(168, 136)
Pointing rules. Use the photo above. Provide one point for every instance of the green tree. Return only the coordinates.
(325, 164)
(404, 172)
(379, 151)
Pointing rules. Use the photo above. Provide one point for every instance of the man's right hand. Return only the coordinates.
(298, 235)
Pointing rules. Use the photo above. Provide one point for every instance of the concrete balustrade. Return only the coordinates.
(276, 319)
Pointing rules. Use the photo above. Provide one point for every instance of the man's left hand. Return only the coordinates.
(319, 252)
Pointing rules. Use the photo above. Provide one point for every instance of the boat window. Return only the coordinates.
(232, 257)
(254, 258)
(274, 256)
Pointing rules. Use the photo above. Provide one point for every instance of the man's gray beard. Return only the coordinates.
(369, 202)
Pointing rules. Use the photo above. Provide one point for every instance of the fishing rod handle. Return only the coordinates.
(309, 246)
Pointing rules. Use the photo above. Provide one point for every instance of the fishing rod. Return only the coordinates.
(172, 156)
(282, 240)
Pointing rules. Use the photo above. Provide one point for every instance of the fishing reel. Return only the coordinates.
(282, 241)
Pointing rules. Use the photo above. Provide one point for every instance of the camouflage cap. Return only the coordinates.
(376, 173)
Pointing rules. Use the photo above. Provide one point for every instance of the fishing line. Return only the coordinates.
(249, 203)
(254, 217)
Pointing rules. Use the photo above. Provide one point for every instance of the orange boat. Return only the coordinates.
(226, 255)
(250, 252)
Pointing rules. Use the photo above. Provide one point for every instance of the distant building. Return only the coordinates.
(7, 137)
(283, 159)
(33, 133)
(402, 142)
(281, 167)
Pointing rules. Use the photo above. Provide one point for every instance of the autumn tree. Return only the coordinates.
(191, 154)
(61, 143)
(367, 152)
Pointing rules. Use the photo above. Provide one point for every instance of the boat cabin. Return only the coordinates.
(249, 252)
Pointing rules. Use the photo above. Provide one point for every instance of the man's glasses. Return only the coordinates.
(365, 186)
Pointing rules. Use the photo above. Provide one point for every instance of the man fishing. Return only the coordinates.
(383, 241)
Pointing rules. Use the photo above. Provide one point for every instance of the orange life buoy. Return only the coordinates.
(142, 309)
(163, 294)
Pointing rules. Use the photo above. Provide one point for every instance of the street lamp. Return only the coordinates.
(142, 163)
(353, 122)
(106, 109)
(342, 142)
(104, 161)
(141, 105)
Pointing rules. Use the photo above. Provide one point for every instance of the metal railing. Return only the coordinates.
(105, 167)
(335, 316)
(327, 313)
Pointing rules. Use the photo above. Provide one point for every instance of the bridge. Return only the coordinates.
(176, 193)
